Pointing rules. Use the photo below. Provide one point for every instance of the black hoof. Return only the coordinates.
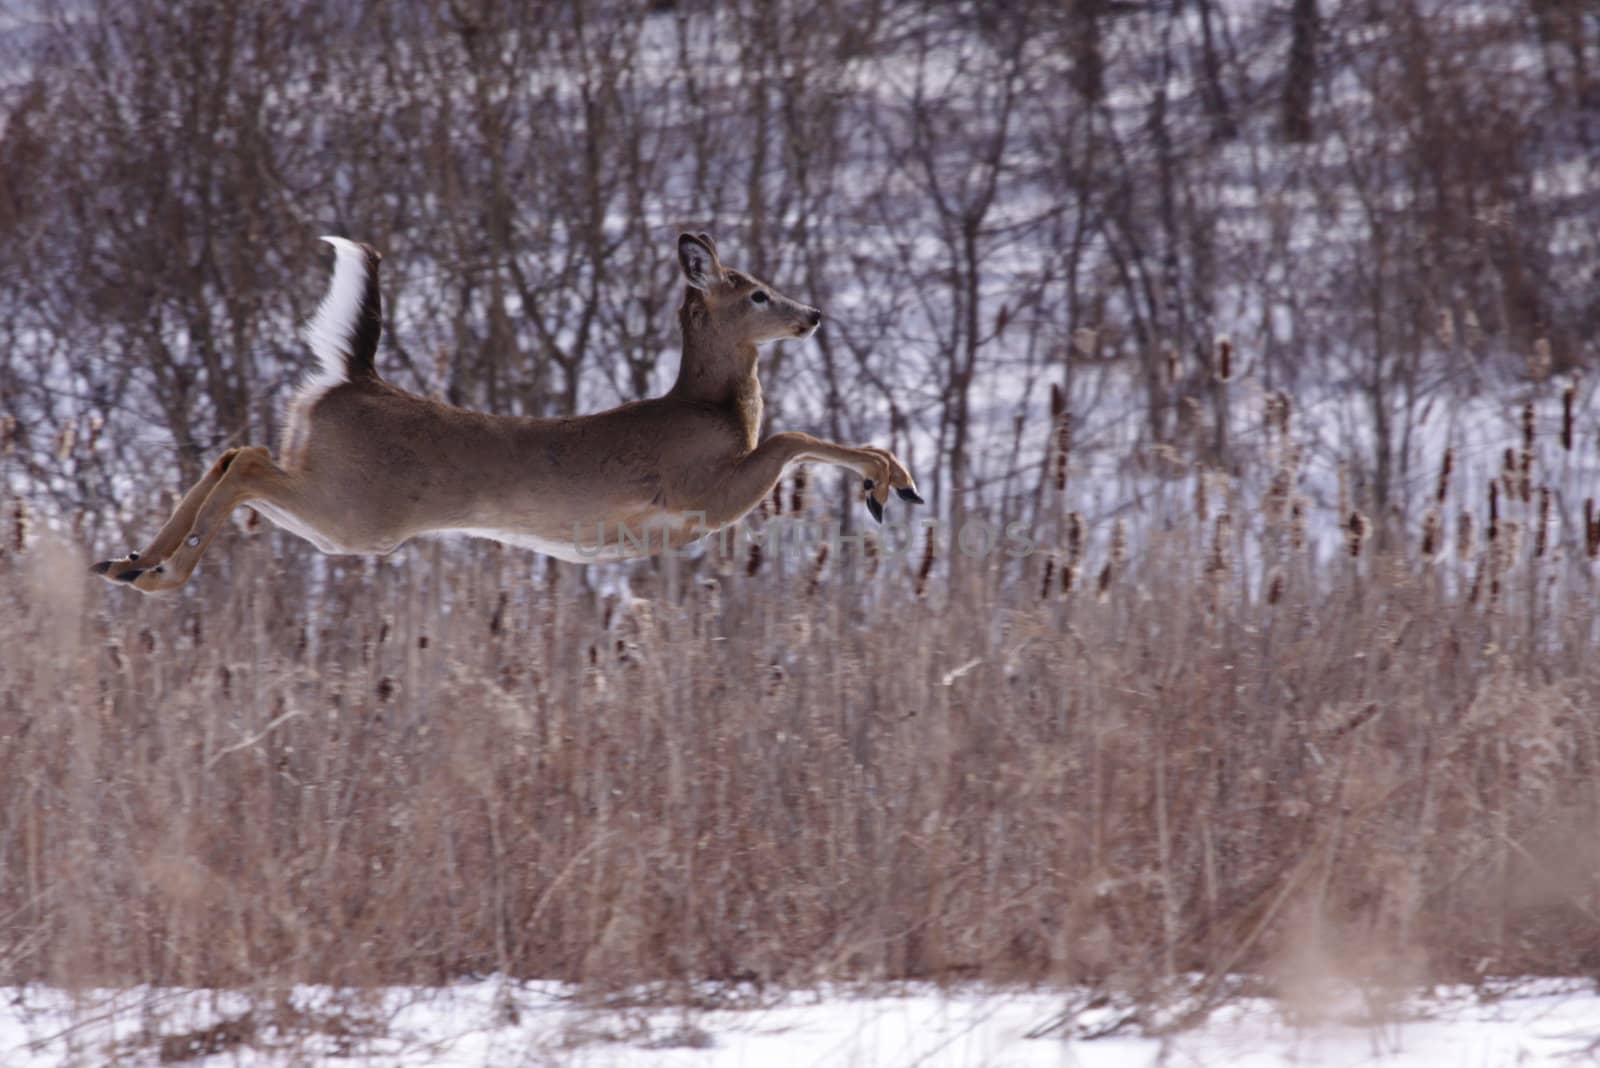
(130, 574)
(101, 568)
(908, 494)
(875, 508)
(133, 556)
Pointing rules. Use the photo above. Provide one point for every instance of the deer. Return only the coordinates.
(364, 466)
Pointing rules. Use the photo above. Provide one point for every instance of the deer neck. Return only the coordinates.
(715, 369)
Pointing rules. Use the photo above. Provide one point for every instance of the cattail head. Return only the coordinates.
(1049, 578)
(1201, 503)
(1591, 529)
(1275, 586)
(1220, 559)
(752, 562)
(1466, 536)
(20, 525)
(1431, 535)
(1103, 583)
(1074, 537)
(1224, 359)
(1298, 507)
(1569, 396)
(927, 565)
(1356, 528)
(1494, 511)
(1119, 543)
(8, 434)
(817, 567)
(1062, 448)
(1444, 475)
(1541, 535)
(797, 492)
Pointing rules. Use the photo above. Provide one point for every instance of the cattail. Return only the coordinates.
(816, 569)
(1591, 529)
(1541, 536)
(1297, 523)
(1217, 563)
(1119, 543)
(8, 434)
(1224, 360)
(1466, 536)
(1049, 578)
(775, 506)
(1069, 578)
(1356, 528)
(1276, 502)
(1074, 537)
(19, 525)
(1539, 360)
(66, 439)
(1508, 473)
(1063, 448)
(1201, 508)
(1430, 535)
(1494, 513)
(1275, 586)
(752, 562)
(1525, 484)
(1171, 361)
(797, 495)
(1444, 474)
(870, 549)
(1569, 396)
(927, 565)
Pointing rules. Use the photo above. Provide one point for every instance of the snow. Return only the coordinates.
(494, 1023)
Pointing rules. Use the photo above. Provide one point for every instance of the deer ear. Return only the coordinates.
(699, 260)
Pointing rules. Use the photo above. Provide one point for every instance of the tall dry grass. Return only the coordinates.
(1192, 748)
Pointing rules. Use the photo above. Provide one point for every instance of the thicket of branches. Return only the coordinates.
(1392, 199)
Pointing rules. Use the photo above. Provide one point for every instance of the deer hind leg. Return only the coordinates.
(172, 533)
(250, 475)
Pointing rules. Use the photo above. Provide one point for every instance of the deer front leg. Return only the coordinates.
(755, 475)
(171, 535)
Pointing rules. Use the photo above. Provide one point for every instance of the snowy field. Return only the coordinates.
(493, 1024)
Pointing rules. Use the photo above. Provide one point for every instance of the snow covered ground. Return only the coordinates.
(495, 1024)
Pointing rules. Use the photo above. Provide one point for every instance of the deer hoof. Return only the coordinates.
(875, 508)
(908, 494)
(101, 568)
(133, 556)
(130, 574)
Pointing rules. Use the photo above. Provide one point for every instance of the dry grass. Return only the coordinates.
(1223, 756)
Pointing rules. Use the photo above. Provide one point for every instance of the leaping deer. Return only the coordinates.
(364, 466)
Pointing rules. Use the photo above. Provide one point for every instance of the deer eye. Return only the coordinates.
(758, 297)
